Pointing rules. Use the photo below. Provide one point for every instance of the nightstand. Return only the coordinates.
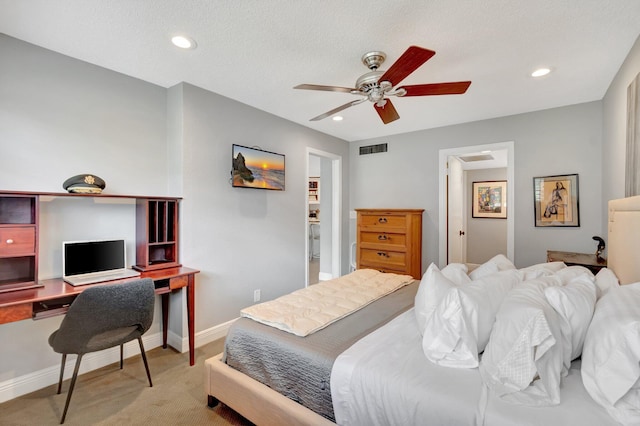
(589, 261)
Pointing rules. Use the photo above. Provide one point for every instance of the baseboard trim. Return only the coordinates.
(325, 276)
(181, 344)
(22, 385)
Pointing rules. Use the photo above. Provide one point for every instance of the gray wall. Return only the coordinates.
(555, 141)
(486, 237)
(60, 117)
(243, 239)
(615, 130)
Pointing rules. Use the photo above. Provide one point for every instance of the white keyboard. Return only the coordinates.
(84, 280)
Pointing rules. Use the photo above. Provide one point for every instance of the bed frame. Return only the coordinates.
(256, 402)
(263, 406)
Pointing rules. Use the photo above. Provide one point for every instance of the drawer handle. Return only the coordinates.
(9, 241)
(382, 254)
(383, 237)
(382, 219)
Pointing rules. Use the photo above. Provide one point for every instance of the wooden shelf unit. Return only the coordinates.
(390, 240)
(156, 234)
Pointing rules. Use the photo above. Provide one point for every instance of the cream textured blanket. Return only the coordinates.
(311, 309)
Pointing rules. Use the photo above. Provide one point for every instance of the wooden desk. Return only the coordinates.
(55, 296)
(589, 261)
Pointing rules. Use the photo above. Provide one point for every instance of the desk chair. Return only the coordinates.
(103, 317)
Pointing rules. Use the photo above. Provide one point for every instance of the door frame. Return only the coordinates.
(336, 210)
(444, 154)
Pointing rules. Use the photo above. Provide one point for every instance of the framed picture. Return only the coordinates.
(255, 168)
(555, 200)
(489, 199)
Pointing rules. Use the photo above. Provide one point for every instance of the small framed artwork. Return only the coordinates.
(555, 200)
(489, 199)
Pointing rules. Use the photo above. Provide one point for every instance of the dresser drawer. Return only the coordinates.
(16, 241)
(390, 269)
(383, 221)
(383, 258)
(383, 240)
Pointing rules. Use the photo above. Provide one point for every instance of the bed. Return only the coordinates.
(375, 371)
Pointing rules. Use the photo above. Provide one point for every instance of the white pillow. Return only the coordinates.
(497, 263)
(456, 272)
(606, 280)
(542, 269)
(459, 328)
(522, 363)
(570, 272)
(611, 354)
(574, 303)
(434, 286)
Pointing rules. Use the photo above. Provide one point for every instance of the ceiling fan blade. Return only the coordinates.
(324, 88)
(387, 112)
(410, 61)
(453, 88)
(340, 108)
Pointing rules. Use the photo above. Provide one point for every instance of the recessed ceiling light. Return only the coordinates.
(184, 42)
(337, 118)
(540, 72)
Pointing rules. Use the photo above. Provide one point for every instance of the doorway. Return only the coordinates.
(455, 197)
(323, 216)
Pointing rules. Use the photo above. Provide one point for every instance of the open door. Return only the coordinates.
(327, 222)
(457, 250)
(449, 230)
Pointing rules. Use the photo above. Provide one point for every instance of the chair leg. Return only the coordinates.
(64, 360)
(144, 358)
(71, 386)
(121, 355)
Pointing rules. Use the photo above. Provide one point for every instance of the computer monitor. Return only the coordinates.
(98, 258)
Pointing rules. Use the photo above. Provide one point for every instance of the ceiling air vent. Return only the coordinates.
(373, 149)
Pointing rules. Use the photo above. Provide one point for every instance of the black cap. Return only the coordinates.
(88, 184)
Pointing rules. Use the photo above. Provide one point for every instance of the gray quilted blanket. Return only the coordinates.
(300, 367)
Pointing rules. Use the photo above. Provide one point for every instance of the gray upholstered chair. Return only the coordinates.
(103, 317)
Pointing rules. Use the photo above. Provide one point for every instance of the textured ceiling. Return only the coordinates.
(255, 51)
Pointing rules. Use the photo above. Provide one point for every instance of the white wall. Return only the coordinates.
(555, 141)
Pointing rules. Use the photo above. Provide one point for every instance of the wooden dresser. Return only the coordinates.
(390, 240)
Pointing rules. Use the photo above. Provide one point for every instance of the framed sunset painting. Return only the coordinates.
(256, 168)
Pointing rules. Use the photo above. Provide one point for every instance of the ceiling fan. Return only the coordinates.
(376, 85)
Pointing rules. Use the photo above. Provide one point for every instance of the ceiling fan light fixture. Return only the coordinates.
(540, 72)
(183, 42)
(378, 86)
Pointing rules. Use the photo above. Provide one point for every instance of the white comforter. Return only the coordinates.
(385, 379)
